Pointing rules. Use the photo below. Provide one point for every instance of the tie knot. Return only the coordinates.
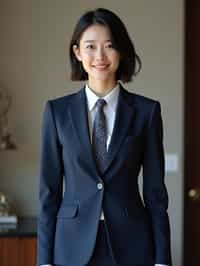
(100, 103)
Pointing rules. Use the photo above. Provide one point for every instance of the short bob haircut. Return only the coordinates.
(130, 63)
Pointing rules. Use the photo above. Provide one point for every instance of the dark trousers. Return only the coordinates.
(101, 254)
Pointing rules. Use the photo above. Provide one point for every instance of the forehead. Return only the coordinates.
(96, 33)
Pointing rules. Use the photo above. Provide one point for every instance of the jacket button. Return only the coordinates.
(99, 186)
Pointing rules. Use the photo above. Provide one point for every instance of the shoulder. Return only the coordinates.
(140, 101)
(62, 102)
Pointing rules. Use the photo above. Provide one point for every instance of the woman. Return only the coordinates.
(97, 140)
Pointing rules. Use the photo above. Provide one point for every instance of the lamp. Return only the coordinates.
(6, 142)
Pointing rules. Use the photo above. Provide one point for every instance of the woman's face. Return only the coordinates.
(99, 59)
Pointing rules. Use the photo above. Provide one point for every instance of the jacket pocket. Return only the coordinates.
(68, 211)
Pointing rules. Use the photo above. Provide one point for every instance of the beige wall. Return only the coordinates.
(34, 66)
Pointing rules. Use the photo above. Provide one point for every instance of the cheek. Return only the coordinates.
(86, 60)
(85, 63)
(116, 62)
(115, 58)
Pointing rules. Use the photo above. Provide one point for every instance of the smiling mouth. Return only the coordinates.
(101, 67)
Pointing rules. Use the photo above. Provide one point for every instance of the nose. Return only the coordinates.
(100, 54)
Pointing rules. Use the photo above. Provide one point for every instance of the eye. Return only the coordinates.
(110, 45)
(90, 46)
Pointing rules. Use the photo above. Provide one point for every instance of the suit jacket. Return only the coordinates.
(138, 230)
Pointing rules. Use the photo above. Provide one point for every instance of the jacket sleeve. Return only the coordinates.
(154, 189)
(50, 187)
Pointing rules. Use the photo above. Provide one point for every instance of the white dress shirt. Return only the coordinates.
(110, 112)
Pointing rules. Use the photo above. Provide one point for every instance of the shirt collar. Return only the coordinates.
(110, 98)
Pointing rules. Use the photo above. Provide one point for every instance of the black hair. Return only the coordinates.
(130, 63)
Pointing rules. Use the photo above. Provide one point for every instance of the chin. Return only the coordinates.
(103, 77)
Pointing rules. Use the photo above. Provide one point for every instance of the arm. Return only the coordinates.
(50, 190)
(154, 189)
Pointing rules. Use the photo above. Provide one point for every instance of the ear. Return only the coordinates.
(76, 51)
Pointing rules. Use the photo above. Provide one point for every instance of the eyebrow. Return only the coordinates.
(95, 41)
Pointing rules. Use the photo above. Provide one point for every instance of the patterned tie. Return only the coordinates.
(99, 135)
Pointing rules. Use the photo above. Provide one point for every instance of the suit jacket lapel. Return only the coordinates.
(124, 116)
(79, 115)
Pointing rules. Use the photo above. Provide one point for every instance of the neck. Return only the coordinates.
(101, 88)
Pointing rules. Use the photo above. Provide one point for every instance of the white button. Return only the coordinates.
(100, 186)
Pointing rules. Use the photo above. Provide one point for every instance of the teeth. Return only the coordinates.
(101, 66)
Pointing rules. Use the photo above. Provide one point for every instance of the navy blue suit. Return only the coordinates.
(139, 233)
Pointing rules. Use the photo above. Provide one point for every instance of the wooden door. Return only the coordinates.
(191, 254)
